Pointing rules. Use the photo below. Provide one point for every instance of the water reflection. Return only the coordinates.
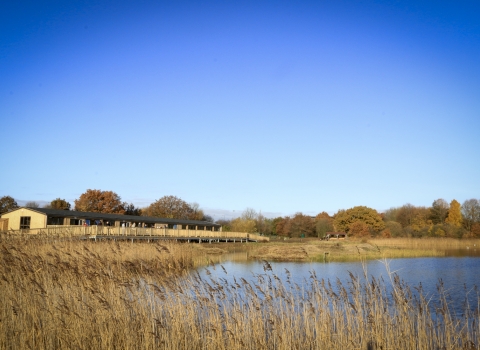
(463, 252)
(458, 275)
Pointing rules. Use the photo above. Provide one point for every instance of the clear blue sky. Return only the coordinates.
(281, 106)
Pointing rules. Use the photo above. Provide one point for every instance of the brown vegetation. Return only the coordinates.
(80, 295)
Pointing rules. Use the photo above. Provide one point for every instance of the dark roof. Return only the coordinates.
(117, 217)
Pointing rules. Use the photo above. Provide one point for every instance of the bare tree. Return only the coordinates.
(32, 204)
(471, 213)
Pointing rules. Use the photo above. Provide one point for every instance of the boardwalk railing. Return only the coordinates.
(70, 231)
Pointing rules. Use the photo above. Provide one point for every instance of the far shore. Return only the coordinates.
(313, 249)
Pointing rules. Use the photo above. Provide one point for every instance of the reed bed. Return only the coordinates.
(80, 295)
(427, 243)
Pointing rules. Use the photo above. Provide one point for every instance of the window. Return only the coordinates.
(74, 222)
(24, 222)
(54, 221)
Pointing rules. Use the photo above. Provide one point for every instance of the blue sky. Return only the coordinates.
(280, 106)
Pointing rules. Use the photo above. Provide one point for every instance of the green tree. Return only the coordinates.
(322, 226)
(170, 207)
(438, 211)
(454, 216)
(274, 224)
(345, 218)
(7, 203)
(98, 201)
(59, 203)
(130, 209)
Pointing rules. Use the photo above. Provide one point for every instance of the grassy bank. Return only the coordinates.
(358, 250)
(106, 295)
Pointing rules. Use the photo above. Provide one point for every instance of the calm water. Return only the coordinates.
(459, 275)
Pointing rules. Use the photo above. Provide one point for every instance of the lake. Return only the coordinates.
(459, 274)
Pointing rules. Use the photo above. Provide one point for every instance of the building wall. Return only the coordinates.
(37, 220)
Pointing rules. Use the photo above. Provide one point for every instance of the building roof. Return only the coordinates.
(59, 213)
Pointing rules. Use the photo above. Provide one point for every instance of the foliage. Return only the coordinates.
(197, 213)
(32, 204)
(438, 211)
(59, 203)
(470, 213)
(344, 218)
(130, 209)
(98, 201)
(302, 225)
(243, 225)
(322, 226)
(358, 228)
(274, 223)
(7, 203)
(395, 228)
(454, 216)
(170, 207)
(475, 231)
(391, 214)
(226, 225)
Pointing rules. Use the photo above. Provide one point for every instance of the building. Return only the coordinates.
(38, 218)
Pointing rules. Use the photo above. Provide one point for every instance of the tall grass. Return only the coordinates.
(80, 295)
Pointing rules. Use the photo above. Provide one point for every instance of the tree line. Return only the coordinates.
(441, 219)
(109, 202)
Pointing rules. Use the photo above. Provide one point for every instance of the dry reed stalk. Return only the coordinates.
(114, 295)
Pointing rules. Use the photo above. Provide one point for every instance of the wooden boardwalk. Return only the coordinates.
(186, 239)
(136, 234)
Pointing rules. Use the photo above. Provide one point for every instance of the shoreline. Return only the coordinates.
(355, 250)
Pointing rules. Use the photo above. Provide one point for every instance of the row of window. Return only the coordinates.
(25, 223)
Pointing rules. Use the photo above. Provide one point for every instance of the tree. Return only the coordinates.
(302, 225)
(170, 207)
(323, 226)
(58, 203)
(405, 214)
(130, 209)
(395, 228)
(471, 213)
(249, 214)
(7, 203)
(197, 213)
(98, 201)
(345, 218)
(32, 204)
(243, 225)
(438, 211)
(391, 214)
(283, 226)
(226, 227)
(454, 216)
(359, 228)
(208, 218)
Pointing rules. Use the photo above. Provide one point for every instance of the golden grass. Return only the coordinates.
(358, 250)
(106, 295)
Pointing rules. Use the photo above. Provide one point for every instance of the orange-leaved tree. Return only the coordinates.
(170, 207)
(99, 201)
(344, 219)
